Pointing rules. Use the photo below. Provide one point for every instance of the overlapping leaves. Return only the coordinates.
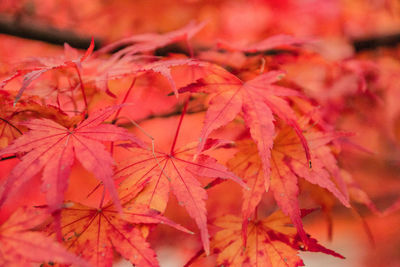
(176, 171)
(94, 233)
(288, 164)
(259, 100)
(270, 242)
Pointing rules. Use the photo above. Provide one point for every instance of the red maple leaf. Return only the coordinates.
(53, 148)
(177, 171)
(47, 64)
(258, 99)
(151, 41)
(136, 66)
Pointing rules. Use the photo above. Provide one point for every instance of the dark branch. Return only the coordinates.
(175, 112)
(374, 42)
(35, 31)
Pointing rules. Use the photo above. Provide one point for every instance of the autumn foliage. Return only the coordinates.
(227, 142)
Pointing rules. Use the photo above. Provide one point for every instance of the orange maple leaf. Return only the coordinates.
(271, 242)
(94, 233)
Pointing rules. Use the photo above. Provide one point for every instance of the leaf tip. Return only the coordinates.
(89, 51)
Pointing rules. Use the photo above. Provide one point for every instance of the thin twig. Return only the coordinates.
(152, 146)
(124, 100)
(9, 157)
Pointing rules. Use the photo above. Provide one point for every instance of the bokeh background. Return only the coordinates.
(355, 77)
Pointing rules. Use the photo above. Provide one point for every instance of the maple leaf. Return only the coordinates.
(357, 194)
(20, 246)
(12, 115)
(177, 171)
(164, 68)
(135, 66)
(288, 163)
(94, 233)
(46, 65)
(259, 100)
(178, 174)
(127, 66)
(48, 112)
(53, 147)
(271, 242)
(124, 62)
(151, 41)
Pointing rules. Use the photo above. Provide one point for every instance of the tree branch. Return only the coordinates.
(32, 30)
(175, 112)
(374, 42)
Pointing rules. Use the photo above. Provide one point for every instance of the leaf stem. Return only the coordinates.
(124, 100)
(179, 126)
(119, 110)
(102, 198)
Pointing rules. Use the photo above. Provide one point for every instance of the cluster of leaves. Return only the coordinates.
(262, 132)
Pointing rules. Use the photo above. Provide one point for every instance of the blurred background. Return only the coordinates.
(355, 77)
